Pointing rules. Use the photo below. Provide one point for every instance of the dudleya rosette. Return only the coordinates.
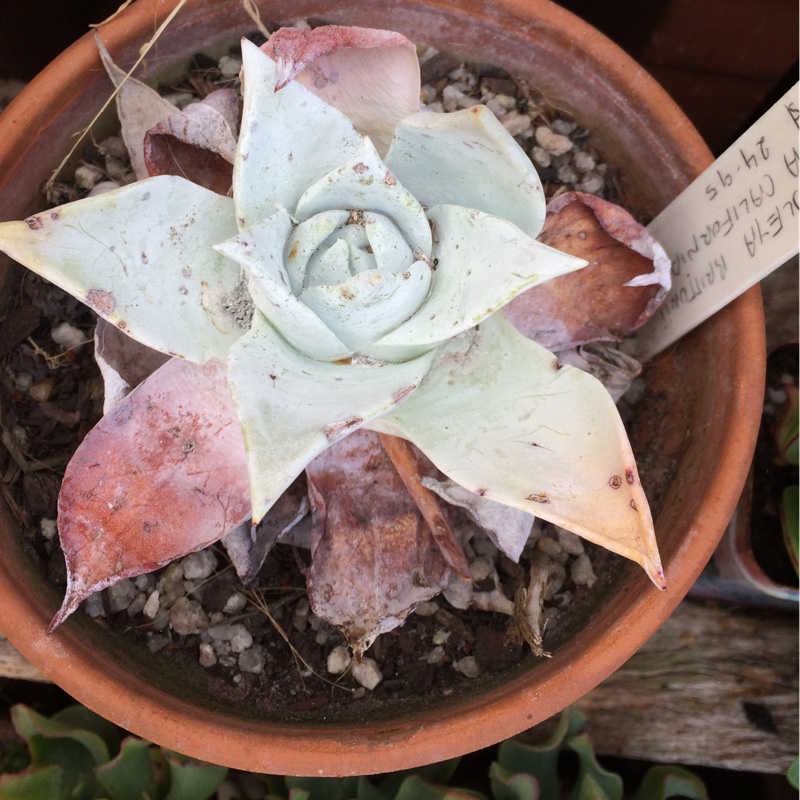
(349, 282)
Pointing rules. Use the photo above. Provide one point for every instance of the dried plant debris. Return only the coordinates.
(241, 614)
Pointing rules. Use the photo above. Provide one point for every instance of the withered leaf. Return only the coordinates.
(619, 290)
(198, 143)
(373, 556)
(162, 475)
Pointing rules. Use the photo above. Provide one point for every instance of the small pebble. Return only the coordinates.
(235, 604)
(301, 614)
(582, 572)
(252, 660)
(137, 604)
(427, 609)
(591, 184)
(41, 392)
(441, 636)
(567, 174)
(93, 605)
(87, 176)
(584, 162)
(229, 66)
(200, 565)
(467, 666)
(68, 336)
(143, 582)
(157, 642)
(541, 157)
(437, 656)
(113, 146)
(103, 187)
(570, 542)
(207, 655)
(49, 528)
(23, 381)
(367, 673)
(517, 124)
(338, 660)
(564, 126)
(187, 617)
(152, 605)
(121, 594)
(555, 143)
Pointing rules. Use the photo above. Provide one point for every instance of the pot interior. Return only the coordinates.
(698, 392)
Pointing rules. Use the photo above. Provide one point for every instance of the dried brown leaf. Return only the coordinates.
(164, 474)
(619, 290)
(198, 143)
(373, 556)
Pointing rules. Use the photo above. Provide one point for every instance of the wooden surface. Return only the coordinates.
(716, 686)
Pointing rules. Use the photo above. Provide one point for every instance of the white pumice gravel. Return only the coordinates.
(338, 660)
(366, 672)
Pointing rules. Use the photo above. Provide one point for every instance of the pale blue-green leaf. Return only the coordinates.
(468, 158)
(260, 250)
(141, 256)
(498, 415)
(292, 408)
(329, 267)
(289, 140)
(482, 262)
(304, 241)
(369, 304)
(363, 183)
(392, 251)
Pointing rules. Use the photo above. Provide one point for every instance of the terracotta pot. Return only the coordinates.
(694, 432)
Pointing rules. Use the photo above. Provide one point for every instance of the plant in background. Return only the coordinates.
(76, 754)
(786, 442)
(341, 303)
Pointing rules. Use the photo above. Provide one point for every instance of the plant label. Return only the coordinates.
(730, 228)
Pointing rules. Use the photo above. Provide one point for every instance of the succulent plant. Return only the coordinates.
(349, 283)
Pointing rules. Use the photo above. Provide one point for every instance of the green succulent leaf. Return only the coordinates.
(323, 788)
(190, 779)
(594, 782)
(793, 775)
(513, 425)
(415, 788)
(141, 256)
(33, 726)
(661, 782)
(541, 760)
(292, 407)
(790, 523)
(429, 152)
(513, 786)
(34, 784)
(129, 776)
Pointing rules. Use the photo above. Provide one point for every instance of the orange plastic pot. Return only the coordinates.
(694, 432)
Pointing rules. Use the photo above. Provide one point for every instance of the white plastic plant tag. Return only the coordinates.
(730, 227)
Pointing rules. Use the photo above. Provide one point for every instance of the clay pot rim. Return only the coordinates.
(332, 749)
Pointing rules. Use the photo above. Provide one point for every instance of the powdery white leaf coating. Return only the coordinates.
(482, 262)
(545, 439)
(429, 155)
(371, 76)
(142, 257)
(260, 249)
(293, 407)
(277, 159)
(364, 183)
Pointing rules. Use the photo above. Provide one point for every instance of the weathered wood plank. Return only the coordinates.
(715, 686)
